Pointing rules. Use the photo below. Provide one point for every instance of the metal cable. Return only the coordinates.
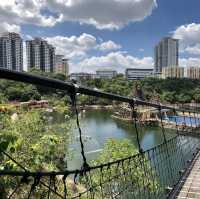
(74, 104)
(134, 119)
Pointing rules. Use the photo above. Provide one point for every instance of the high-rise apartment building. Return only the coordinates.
(62, 65)
(58, 63)
(65, 66)
(193, 72)
(166, 54)
(11, 51)
(40, 55)
(173, 72)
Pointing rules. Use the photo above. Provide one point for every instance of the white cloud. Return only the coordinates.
(193, 49)
(103, 14)
(191, 61)
(27, 12)
(189, 36)
(116, 60)
(6, 27)
(109, 46)
(73, 47)
(77, 47)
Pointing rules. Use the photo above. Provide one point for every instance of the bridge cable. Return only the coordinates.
(134, 119)
(180, 141)
(34, 185)
(162, 125)
(74, 105)
(190, 118)
(165, 144)
(176, 122)
(141, 160)
(196, 125)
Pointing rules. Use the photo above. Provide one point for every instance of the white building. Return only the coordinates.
(40, 55)
(58, 62)
(106, 73)
(82, 76)
(138, 73)
(11, 51)
(193, 72)
(173, 72)
(166, 53)
(61, 65)
(65, 67)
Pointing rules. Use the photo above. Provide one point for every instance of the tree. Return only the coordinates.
(196, 95)
(136, 170)
(168, 97)
(34, 143)
(184, 98)
(3, 98)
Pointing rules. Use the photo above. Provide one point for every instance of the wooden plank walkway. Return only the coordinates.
(189, 186)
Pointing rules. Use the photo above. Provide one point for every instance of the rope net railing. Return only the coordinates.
(151, 173)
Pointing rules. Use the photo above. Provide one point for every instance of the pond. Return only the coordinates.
(166, 160)
(98, 126)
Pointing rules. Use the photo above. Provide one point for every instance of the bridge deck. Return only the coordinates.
(189, 186)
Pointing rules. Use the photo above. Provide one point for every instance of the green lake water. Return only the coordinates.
(98, 126)
(166, 161)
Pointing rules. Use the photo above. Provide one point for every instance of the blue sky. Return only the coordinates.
(107, 33)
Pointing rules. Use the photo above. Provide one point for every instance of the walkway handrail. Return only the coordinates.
(146, 174)
(70, 87)
(79, 171)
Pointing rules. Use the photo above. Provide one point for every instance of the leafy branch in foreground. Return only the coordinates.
(33, 142)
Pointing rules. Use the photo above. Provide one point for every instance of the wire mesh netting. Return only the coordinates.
(148, 174)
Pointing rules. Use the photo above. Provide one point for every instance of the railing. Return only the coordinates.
(149, 174)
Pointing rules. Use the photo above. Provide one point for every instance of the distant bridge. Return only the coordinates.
(157, 173)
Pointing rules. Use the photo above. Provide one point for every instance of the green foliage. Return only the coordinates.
(61, 107)
(168, 90)
(36, 139)
(118, 85)
(115, 150)
(16, 91)
(173, 90)
(3, 98)
(196, 94)
(185, 97)
(58, 76)
(33, 142)
(135, 170)
(169, 97)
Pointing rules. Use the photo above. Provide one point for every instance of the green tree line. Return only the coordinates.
(167, 90)
(17, 91)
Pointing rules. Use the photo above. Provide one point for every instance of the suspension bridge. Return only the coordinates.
(169, 170)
